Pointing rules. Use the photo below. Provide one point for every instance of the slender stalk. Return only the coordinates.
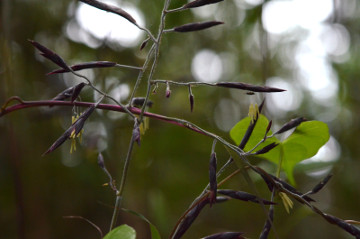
(155, 46)
(141, 73)
(156, 57)
(130, 67)
(175, 10)
(119, 193)
(182, 83)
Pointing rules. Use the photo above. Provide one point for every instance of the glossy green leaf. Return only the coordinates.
(238, 132)
(154, 232)
(303, 143)
(121, 232)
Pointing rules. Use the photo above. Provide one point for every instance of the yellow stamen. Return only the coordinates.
(253, 112)
(288, 204)
(73, 136)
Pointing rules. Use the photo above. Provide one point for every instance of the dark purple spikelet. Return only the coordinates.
(226, 235)
(168, 91)
(85, 65)
(212, 178)
(189, 219)
(343, 224)
(251, 127)
(199, 3)
(268, 127)
(291, 124)
(72, 92)
(49, 54)
(144, 43)
(101, 161)
(139, 102)
(110, 8)
(64, 94)
(74, 129)
(244, 196)
(266, 149)
(271, 180)
(60, 140)
(136, 134)
(197, 26)
(321, 184)
(77, 90)
(245, 86)
(267, 226)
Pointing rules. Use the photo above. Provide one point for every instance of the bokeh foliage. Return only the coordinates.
(170, 168)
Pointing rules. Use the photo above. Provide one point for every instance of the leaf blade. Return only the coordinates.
(121, 232)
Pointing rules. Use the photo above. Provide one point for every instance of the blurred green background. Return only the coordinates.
(310, 48)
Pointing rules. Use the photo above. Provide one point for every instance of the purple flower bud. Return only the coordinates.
(110, 8)
(139, 102)
(168, 91)
(144, 43)
(245, 86)
(85, 65)
(320, 185)
(49, 54)
(244, 196)
(212, 178)
(77, 90)
(199, 3)
(191, 98)
(226, 235)
(101, 161)
(291, 124)
(196, 26)
(74, 129)
(136, 133)
(266, 149)
(189, 219)
(268, 127)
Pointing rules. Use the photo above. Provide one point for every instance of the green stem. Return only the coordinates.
(119, 193)
(280, 162)
(156, 57)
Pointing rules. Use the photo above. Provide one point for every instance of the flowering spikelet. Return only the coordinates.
(144, 126)
(253, 112)
(73, 134)
(288, 204)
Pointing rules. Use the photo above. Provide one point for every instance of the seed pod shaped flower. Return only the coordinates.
(226, 235)
(212, 178)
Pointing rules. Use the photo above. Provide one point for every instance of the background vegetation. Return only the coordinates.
(171, 166)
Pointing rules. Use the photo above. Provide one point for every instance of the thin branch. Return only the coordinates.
(119, 193)
(88, 221)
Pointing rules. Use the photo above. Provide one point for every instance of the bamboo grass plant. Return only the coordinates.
(239, 152)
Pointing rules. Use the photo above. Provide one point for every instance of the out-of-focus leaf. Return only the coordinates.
(303, 143)
(154, 231)
(121, 232)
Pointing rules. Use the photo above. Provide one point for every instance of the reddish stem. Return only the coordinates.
(134, 110)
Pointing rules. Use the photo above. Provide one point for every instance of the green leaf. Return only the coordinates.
(238, 132)
(303, 143)
(154, 232)
(121, 232)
